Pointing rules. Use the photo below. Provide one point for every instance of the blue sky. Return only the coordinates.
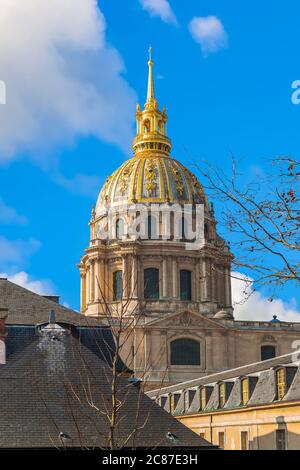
(72, 83)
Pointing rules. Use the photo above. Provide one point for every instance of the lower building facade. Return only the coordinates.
(268, 427)
(255, 407)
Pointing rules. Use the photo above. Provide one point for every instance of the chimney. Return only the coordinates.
(3, 334)
(53, 298)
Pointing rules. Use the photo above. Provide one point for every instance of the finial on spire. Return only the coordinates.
(150, 92)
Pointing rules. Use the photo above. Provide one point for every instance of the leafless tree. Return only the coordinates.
(123, 318)
(262, 218)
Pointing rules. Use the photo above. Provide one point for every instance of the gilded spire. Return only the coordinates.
(151, 135)
(150, 91)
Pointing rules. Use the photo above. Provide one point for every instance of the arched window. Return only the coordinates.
(119, 228)
(152, 231)
(185, 285)
(267, 352)
(151, 283)
(146, 126)
(185, 352)
(117, 285)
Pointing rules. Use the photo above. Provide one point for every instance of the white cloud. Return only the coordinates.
(160, 8)
(63, 81)
(249, 305)
(8, 215)
(209, 32)
(41, 287)
(16, 252)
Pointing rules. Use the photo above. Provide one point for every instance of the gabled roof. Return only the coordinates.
(27, 308)
(186, 318)
(56, 385)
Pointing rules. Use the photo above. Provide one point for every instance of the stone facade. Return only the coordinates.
(203, 313)
(259, 409)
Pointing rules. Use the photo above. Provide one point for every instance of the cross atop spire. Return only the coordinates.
(150, 91)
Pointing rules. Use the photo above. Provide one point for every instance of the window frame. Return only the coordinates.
(223, 439)
(222, 395)
(119, 235)
(203, 399)
(281, 443)
(267, 346)
(172, 403)
(245, 392)
(157, 295)
(280, 375)
(115, 296)
(192, 340)
(190, 287)
(244, 443)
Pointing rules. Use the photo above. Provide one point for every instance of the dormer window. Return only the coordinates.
(172, 404)
(222, 395)
(245, 391)
(280, 383)
(203, 398)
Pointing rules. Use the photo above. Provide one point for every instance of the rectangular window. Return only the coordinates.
(117, 285)
(151, 283)
(222, 440)
(202, 434)
(244, 440)
(280, 381)
(245, 391)
(203, 398)
(280, 439)
(185, 285)
(222, 398)
(172, 404)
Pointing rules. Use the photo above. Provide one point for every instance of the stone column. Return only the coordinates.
(209, 351)
(100, 280)
(82, 291)
(125, 276)
(92, 281)
(204, 280)
(88, 293)
(134, 277)
(174, 278)
(227, 287)
(164, 278)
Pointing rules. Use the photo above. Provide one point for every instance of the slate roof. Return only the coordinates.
(27, 308)
(56, 385)
(262, 387)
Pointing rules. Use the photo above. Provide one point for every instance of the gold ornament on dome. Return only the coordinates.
(150, 177)
(108, 179)
(178, 180)
(124, 178)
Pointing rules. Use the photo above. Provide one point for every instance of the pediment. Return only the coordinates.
(186, 319)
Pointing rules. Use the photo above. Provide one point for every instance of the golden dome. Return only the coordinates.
(151, 179)
(151, 175)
